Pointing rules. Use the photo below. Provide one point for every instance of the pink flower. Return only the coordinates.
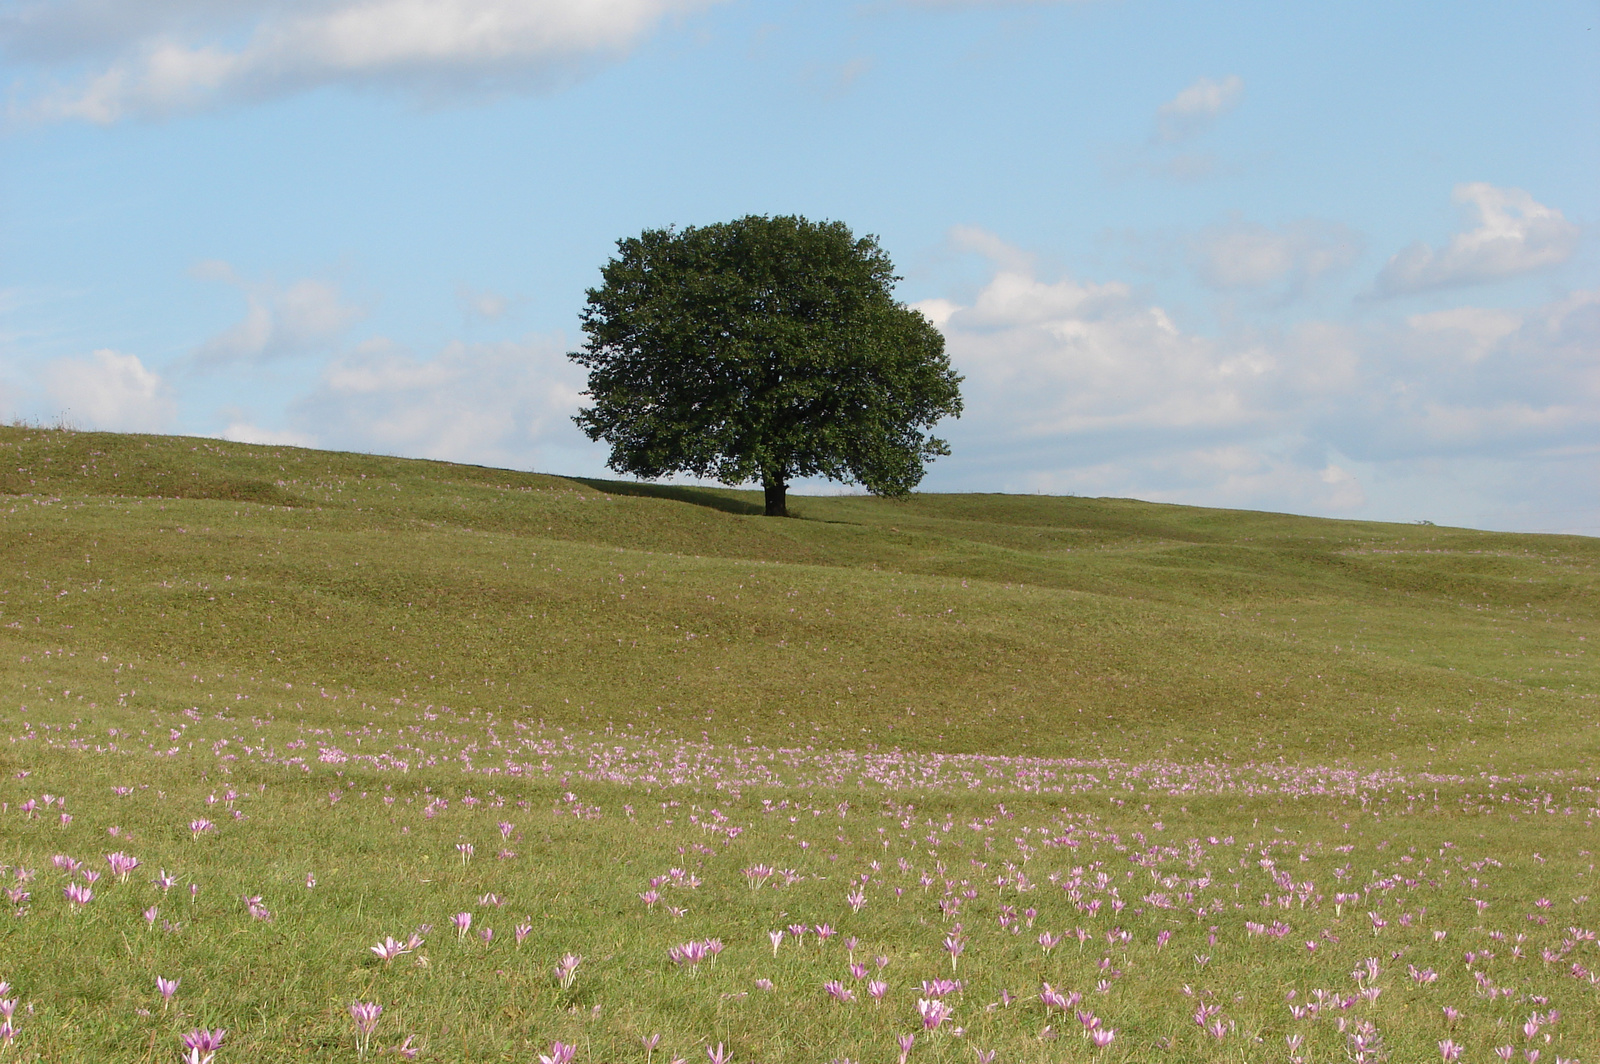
(1449, 1051)
(202, 1044)
(718, 1055)
(954, 946)
(560, 1053)
(463, 923)
(1102, 1036)
(933, 1013)
(690, 953)
(839, 991)
(365, 1014)
(167, 987)
(121, 864)
(905, 1042)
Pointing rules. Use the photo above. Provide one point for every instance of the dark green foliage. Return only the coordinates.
(763, 349)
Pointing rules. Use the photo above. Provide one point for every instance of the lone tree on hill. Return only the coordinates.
(763, 348)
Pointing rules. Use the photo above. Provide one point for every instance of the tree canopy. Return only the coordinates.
(763, 349)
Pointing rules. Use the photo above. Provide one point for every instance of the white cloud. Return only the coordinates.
(1514, 235)
(109, 391)
(1087, 387)
(937, 311)
(1242, 255)
(1196, 107)
(1064, 357)
(240, 431)
(495, 403)
(279, 320)
(160, 56)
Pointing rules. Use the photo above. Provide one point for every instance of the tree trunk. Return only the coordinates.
(777, 492)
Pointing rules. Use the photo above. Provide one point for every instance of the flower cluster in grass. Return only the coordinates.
(495, 750)
(847, 919)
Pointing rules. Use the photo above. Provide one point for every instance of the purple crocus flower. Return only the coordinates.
(560, 1053)
(202, 1044)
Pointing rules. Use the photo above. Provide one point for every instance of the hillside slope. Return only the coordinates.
(136, 568)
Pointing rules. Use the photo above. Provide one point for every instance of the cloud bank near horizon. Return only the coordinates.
(1082, 387)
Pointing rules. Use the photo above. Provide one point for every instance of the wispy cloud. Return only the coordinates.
(105, 60)
(1196, 107)
(1240, 255)
(1514, 235)
(1169, 152)
(279, 320)
(482, 304)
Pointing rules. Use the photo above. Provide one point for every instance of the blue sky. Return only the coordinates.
(1329, 258)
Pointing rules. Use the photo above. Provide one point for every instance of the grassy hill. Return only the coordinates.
(515, 758)
(964, 623)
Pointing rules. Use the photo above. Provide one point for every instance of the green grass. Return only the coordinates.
(320, 632)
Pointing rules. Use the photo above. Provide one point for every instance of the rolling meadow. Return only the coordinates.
(309, 756)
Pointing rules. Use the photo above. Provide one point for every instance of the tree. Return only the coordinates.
(763, 349)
